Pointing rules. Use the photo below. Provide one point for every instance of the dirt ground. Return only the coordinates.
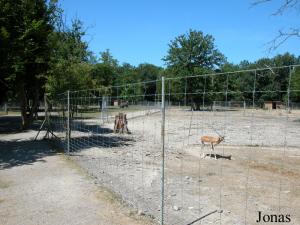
(257, 167)
(40, 186)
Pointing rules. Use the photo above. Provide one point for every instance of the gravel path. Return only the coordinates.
(39, 186)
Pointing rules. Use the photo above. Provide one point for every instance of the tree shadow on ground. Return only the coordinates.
(81, 126)
(84, 127)
(85, 135)
(17, 151)
(12, 124)
(108, 142)
(24, 152)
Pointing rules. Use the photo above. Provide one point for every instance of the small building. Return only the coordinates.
(116, 102)
(273, 105)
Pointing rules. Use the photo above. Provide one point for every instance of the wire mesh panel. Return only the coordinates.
(56, 119)
(230, 140)
(122, 152)
(232, 149)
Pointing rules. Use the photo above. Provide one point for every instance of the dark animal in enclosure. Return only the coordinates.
(124, 104)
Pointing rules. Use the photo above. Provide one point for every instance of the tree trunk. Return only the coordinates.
(35, 105)
(195, 106)
(27, 112)
(24, 106)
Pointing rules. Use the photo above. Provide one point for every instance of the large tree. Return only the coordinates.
(194, 52)
(25, 26)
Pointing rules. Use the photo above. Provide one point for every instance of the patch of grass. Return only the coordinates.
(2, 113)
(272, 168)
(211, 174)
(253, 145)
(3, 184)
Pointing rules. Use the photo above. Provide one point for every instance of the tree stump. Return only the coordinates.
(121, 124)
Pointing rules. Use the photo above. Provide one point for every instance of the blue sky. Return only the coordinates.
(138, 31)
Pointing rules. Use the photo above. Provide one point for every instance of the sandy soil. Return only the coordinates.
(40, 186)
(258, 166)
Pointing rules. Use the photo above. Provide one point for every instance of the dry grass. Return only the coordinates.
(274, 169)
(3, 184)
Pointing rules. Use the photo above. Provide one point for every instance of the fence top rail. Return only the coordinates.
(116, 86)
(270, 68)
(233, 72)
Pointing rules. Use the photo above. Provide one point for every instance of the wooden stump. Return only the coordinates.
(121, 123)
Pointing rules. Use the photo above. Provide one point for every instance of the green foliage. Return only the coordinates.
(189, 54)
(148, 72)
(74, 77)
(102, 74)
(107, 59)
(128, 74)
(193, 50)
(271, 84)
(295, 85)
(25, 27)
(70, 61)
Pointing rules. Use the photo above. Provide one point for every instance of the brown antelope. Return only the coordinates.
(213, 141)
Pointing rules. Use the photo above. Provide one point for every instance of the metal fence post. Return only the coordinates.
(45, 106)
(291, 69)
(163, 148)
(68, 124)
(46, 113)
(185, 91)
(5, 108)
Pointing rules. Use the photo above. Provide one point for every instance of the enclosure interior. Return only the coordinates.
(257, 166)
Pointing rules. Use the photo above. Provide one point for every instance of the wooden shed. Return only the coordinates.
(273, 105)
(116, 102)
